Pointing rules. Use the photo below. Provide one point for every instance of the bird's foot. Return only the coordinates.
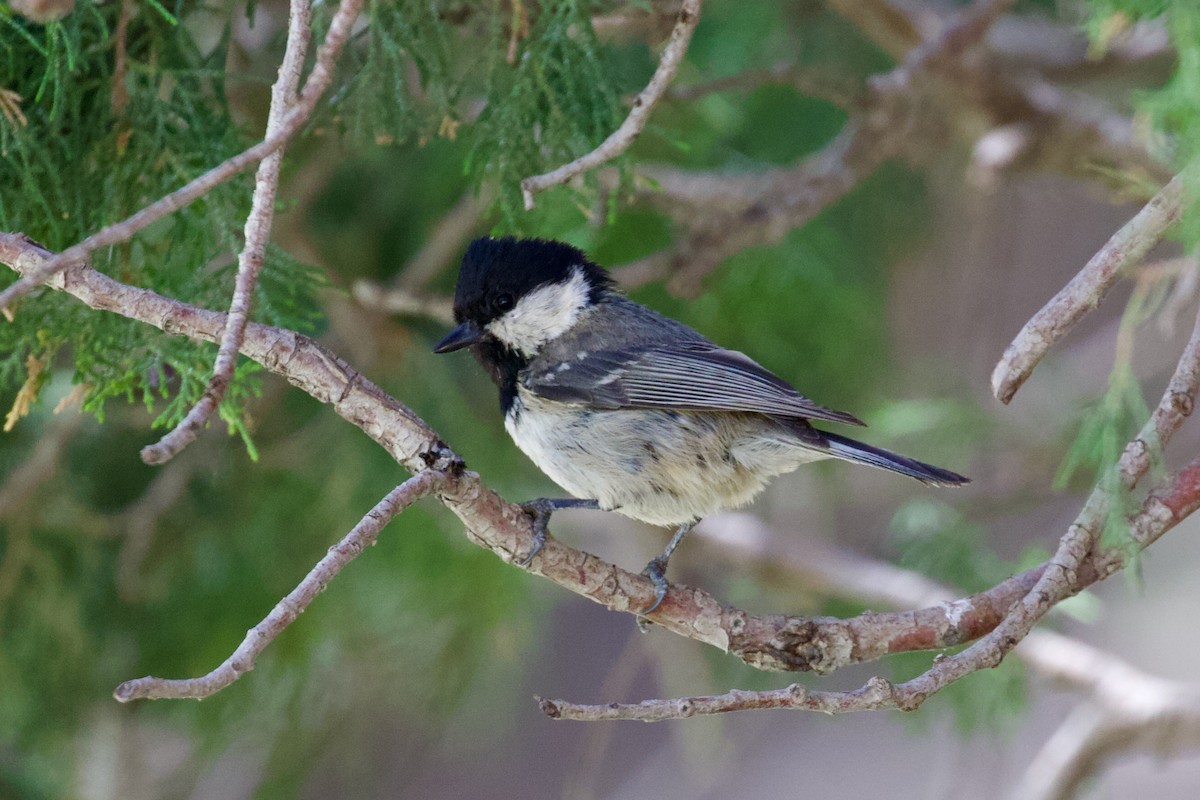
(656, 571)
(539, 512)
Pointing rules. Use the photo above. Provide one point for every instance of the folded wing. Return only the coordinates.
(687, 378)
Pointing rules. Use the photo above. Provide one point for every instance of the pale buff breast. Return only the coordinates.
(658, 466)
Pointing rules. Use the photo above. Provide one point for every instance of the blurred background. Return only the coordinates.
(414, 674)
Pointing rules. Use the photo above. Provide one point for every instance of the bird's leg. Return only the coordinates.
(539, 511)
(656, 570)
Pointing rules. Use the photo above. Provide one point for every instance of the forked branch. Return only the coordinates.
(1178, 497)
(290, 607)
(1124, 250)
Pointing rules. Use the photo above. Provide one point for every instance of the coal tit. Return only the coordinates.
(626, 409)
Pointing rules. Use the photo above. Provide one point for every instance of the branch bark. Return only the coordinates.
(1178, 497)
(257, 232)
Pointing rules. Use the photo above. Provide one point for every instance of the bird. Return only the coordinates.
(628, 410)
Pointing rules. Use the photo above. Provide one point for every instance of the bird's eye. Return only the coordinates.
(504, 302)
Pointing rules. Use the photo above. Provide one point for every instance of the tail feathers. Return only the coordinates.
(851, 450)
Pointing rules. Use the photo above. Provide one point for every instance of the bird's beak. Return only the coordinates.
(464, 335)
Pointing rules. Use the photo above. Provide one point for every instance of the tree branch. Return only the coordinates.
(256, 234)
(314, 87)
(725, 214)
(620, 139)
(1127, 710)
(290, 607)
(1064, 575)
(396, 300)
(41, 465)
(1170, 504)
(772, 642)
(1012, 116)
(840, 90)
(1086, 290)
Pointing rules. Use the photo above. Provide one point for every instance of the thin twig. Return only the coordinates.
(1127, 710)
(1084, 292)
(41, 465)
(840, 90)
(290, 607)
(395, 300)
(257, 232)
(119, 96)
(877, 693)
(314, 87)
(620, 139)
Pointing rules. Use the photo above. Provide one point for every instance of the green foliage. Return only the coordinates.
(1174, 109)
(555, 103)
(1105, 428)
(935, 539)
(81, 163)
(380, 105)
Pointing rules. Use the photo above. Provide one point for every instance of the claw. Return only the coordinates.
(539, 512)
(656, 571)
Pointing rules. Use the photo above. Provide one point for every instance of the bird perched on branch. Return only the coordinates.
(628, 410)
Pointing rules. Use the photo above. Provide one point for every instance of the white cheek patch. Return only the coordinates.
(545, 313)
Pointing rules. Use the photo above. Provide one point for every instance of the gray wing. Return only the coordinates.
(692, 377)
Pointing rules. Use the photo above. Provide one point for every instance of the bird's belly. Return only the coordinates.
(659, 466)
